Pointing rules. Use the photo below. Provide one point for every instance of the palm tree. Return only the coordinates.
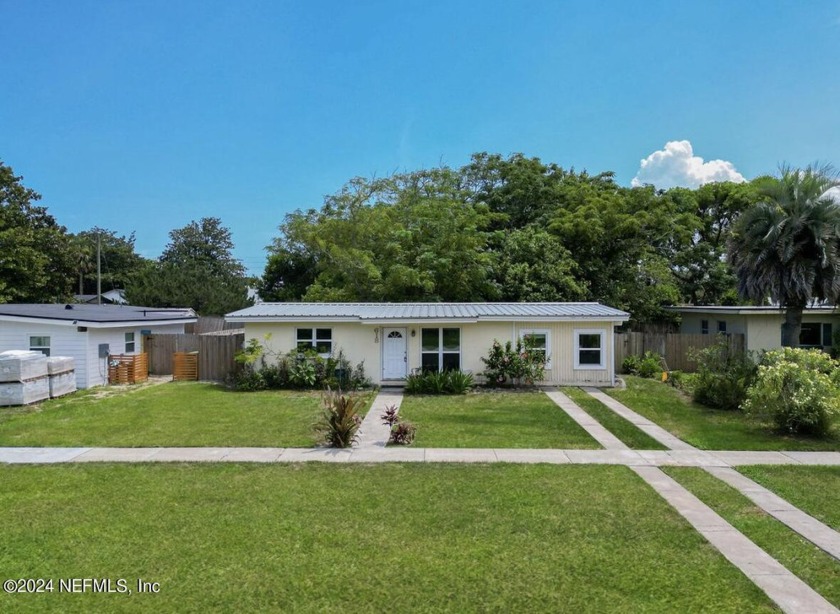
(787, 246)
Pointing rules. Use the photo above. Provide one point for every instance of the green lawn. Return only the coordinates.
(493, 420)
(815, 490)
(818, 569)
(172, 414)
(618, 426)
(330, 538)
(707, 428)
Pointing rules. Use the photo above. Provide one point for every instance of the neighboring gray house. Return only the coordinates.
(85, 332)
(761, 326)
(396, 339)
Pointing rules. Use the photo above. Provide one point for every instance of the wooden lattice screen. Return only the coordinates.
(128, 368)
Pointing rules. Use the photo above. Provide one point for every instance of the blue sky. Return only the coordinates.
(142, 116)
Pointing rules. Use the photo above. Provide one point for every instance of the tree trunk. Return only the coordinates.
(792, 326)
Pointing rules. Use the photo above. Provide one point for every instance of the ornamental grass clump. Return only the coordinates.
(798, 389)
(340, 419)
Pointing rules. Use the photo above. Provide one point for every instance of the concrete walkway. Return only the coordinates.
(373, 433)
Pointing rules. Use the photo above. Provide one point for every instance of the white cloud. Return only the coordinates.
(834, 193)
(676, 165)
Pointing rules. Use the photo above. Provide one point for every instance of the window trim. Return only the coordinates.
(602, 366)
(133, 342)
(440, 351)
(40, 348)
(313, 341)
(524, 332)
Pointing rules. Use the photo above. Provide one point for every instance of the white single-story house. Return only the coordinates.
(396, 339)
(88, 333)
(761, 326)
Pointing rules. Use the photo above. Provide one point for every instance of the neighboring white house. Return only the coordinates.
(396, 339)
(761, 326)
(111, 297)
(88, 333)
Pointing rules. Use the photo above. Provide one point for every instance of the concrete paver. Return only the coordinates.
(607, 457)
(190, 454)
(815, 458)
(460, 455)
(119, 455)
(526, 455)
(253, 455)
(737, 457)
(40, 455)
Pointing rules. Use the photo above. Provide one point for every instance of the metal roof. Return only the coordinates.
(427, 311)
(83, 312)
(749, 309)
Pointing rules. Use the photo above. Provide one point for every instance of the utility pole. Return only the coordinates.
(98, 268)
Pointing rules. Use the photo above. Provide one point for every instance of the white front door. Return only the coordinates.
(394, 356)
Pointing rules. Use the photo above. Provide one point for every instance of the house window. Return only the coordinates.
(40, 343)
(590, 350)
(319, 339)
(541, 340)
(721, 326)
(129, 343)
(811, 335)
(827, 334)
(704, 327)
(440, 349)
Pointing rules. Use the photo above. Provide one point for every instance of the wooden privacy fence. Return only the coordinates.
(215, 353)
(674, 347)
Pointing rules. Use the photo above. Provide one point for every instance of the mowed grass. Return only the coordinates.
(330, 538)
(706, 428)
(815, 490)
(493, 420)
(818, 569)
(171, 414)
(618, 426)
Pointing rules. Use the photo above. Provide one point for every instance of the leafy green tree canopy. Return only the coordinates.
(35, 260)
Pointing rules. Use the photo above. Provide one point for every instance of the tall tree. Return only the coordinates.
(35, 258)
(197, 269)
(119, 260)
(787, 247)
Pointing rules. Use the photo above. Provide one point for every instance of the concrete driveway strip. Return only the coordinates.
(807, 526)
(639, 421)
(788, 592)
(587, 422)
(372, 432)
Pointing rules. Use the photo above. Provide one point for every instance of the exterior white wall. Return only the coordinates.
(364, 342)
(82, 346)
(64, 341)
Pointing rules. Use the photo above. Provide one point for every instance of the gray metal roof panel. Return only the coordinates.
(94, 313)
(428, 311)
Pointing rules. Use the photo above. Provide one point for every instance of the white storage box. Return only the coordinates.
(21, 365)
(24, 393)
(60, 364)
(62, 383)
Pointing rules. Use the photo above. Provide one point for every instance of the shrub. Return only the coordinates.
(443, 382)
(246, 379)
(340, 419)
(389, 416)
(647, 366)
(514, 365)
(798, 389)
(402, 433)
(723, 375)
